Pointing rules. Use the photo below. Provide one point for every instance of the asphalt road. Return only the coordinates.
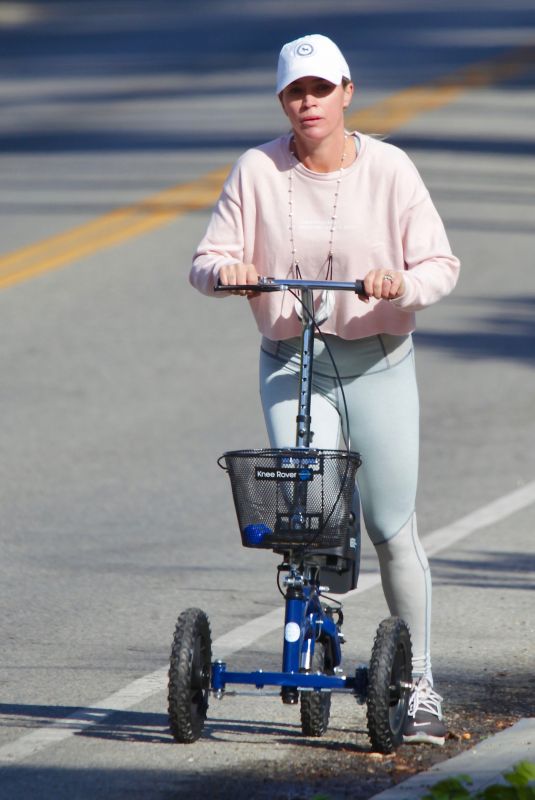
(121, 386)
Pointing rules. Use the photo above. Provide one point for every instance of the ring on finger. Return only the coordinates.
(388, 277)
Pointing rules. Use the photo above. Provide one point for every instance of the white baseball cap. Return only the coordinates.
(311, 55)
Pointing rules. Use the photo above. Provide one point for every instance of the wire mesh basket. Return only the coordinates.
(294, 498)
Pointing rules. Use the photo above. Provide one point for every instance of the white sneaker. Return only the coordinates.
(424, 718)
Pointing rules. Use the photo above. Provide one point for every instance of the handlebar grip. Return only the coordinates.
(246, 287)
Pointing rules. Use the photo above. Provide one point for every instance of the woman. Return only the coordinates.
(324, 203)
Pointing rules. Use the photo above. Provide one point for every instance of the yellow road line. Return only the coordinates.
(158, 209)
(398, 109)
(110, 229)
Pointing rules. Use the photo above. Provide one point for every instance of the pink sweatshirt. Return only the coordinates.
(385, 219)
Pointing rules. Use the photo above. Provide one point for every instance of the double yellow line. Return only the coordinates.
(398, 109)
(159, 209)
(109, 229)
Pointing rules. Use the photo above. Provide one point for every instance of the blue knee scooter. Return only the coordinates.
(298, 503)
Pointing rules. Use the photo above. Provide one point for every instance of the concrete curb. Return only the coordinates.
(485, 763)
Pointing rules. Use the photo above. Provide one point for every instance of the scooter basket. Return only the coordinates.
(294, 498)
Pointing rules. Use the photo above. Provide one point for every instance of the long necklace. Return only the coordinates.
(291, 208)
(326, 304)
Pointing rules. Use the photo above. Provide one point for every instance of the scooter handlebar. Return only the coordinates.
(283, 284)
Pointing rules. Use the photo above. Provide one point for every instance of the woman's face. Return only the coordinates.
(315, 107)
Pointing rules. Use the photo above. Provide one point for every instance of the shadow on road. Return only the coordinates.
(78, 42)
(487, 570)
(508, 332)
(339, 765)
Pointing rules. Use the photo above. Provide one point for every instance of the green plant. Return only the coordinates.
(516, 788)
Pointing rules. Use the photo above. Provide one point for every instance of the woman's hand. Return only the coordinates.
(383, 284)
(236, 274)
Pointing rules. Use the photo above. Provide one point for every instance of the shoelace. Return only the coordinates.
(424, 697)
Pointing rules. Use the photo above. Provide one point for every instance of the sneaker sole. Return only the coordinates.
(424, 738)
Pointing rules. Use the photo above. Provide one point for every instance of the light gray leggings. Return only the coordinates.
(379, 383)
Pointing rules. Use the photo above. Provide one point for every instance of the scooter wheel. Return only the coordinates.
(389, 681)
(316, 706)
(189, 676)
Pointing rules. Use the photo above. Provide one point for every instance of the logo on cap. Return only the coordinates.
(304, 50)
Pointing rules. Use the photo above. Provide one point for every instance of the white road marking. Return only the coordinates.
(130, 695)
(141, 689)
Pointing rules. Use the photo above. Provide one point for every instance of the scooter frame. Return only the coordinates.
(309, 615)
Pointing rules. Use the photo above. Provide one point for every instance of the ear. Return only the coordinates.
(281, 102)
(348, 93)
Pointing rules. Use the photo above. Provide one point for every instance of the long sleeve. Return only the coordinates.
(431, 268)
(223, 241)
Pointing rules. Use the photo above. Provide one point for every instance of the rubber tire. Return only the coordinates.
(316, 706)
(189, 676)
(388, 699)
